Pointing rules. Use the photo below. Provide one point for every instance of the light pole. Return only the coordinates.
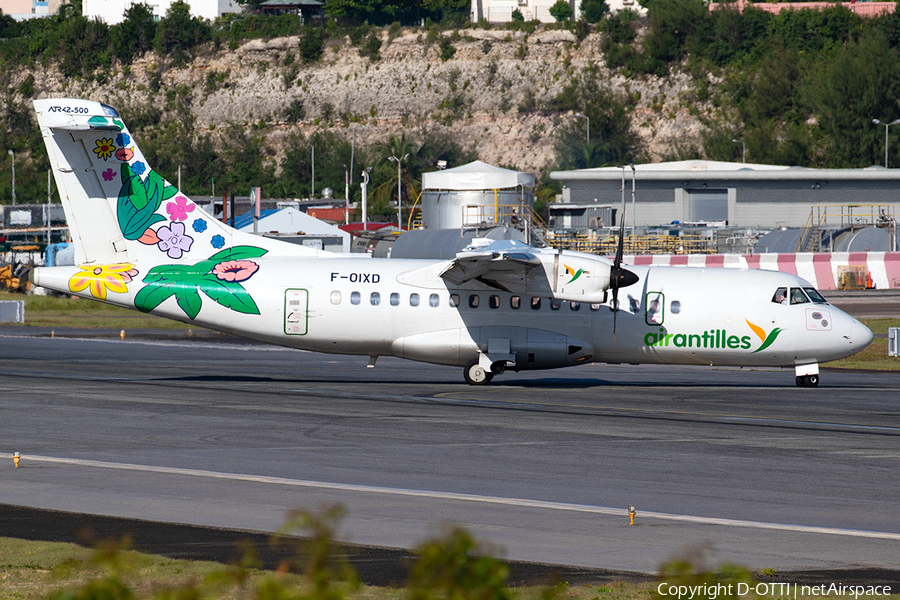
(393, 158)
(365, 195)
(632, 199)
(743, 149)
(346, 195)
(877, 122)
(586, 118)
(13, 154)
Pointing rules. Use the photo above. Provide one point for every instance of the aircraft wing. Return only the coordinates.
(503, 260)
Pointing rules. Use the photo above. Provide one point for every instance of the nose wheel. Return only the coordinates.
(475, 374)
(810, 381)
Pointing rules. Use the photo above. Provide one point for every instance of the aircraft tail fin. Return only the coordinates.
(119, 210)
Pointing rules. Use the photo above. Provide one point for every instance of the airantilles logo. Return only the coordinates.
(575, 274)
(713, 338)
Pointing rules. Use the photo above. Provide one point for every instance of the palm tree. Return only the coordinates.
(396, 149)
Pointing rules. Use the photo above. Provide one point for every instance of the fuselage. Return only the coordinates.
(393, 307)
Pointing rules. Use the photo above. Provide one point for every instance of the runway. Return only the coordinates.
(541, 465)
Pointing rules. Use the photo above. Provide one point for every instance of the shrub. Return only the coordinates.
(561, 11)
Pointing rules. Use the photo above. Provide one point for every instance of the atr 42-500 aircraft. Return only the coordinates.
(141, 244)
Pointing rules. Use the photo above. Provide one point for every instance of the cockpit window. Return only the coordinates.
(815, 296)
(780, 296)
(798, 297)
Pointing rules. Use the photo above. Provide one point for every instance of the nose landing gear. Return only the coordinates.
(807, 375)
(808, 381)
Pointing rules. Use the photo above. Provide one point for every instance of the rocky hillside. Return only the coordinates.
(490, 94)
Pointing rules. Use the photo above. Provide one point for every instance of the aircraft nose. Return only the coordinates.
(860, 335)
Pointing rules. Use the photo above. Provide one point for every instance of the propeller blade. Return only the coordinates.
(615, 310)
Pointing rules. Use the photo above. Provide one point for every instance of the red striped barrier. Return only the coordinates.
(879, 269)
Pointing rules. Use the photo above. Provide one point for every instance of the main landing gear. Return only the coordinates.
(807, 381)
(476, 374)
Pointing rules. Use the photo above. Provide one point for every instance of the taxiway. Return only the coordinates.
(738, 463)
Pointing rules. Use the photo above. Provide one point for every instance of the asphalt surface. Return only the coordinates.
(738, 464)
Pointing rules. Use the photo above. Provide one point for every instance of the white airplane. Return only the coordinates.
(141, 244)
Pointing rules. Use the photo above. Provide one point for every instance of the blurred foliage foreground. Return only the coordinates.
(451, 567)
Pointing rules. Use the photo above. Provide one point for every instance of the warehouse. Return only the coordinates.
(736, 194)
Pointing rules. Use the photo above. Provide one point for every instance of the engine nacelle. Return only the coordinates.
(579, 277)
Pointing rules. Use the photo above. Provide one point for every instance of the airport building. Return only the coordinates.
(736, 195)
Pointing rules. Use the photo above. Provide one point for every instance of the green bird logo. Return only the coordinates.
(575, 274)
(767, 340)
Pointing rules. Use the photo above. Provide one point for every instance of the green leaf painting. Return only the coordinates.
(219, 277)
(139, 200)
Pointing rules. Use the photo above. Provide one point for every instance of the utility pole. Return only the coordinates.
(13, 155)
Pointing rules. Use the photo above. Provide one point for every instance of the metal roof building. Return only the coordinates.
(745, 195)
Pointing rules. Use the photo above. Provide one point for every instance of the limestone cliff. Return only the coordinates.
(488, 95)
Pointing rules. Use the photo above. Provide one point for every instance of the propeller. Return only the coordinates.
(619, 277)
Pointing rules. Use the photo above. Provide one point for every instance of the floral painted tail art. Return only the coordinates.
(139, 242)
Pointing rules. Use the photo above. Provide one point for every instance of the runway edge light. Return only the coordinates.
(16, 458)
(631, 513)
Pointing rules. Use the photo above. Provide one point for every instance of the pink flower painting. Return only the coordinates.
(178, 210)
(109, 175)
(124, 154)
(235, 270)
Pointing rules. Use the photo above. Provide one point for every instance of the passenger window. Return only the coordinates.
(535, 304)
(634, 305)
(335, 297)
(595, 306)
(675, 307)
(815, 296)
(515, 302)
(375, 298)
(494, 301)
(555, 304)
(575, 305)
(413, 299)
(354, 297)
(395, 299)
(780, 296)
(454, 299)
(474, 300)
(798, 297)
(434, 300)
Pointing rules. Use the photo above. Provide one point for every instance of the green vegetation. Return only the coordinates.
(53, 311)
(875, 357)
(451, 567)
(561, 11)
(800, 87)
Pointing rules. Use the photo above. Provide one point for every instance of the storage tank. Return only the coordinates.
(476, 195)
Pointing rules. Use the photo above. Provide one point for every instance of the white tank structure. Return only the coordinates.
(475, 196)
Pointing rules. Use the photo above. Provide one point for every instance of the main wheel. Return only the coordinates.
(475, 374)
